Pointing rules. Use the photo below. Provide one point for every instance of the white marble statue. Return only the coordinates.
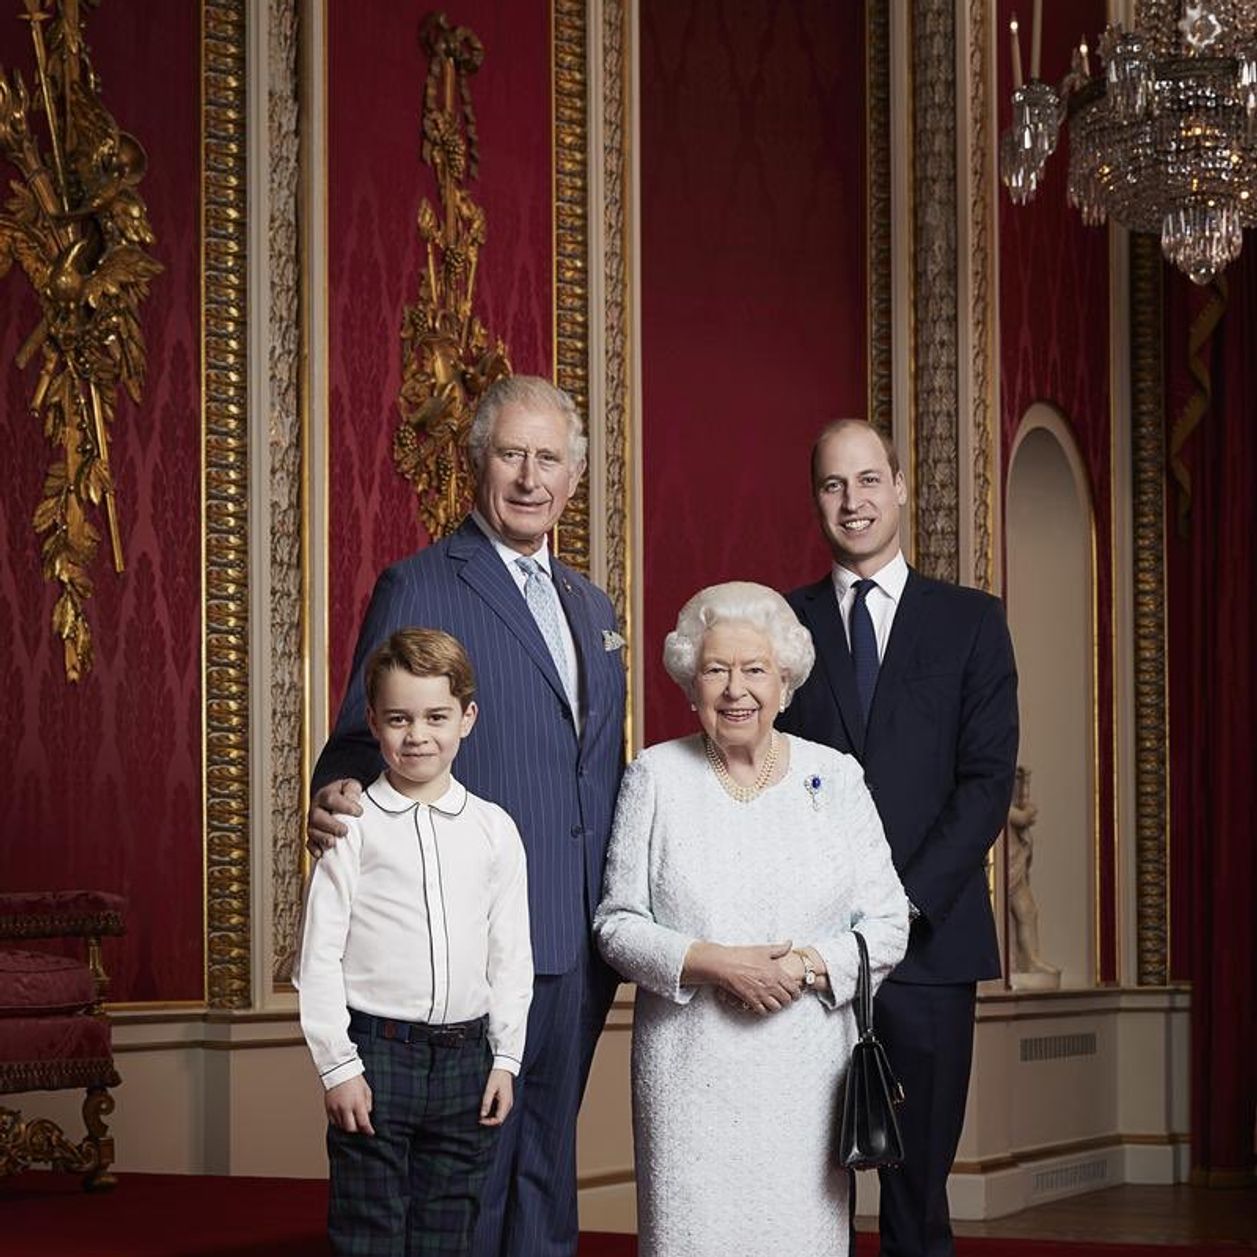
(1030, 972)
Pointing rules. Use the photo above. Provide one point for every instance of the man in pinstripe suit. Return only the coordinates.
(548, 748)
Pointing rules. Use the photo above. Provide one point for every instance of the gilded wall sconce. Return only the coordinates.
(78, 229)
(447, 359)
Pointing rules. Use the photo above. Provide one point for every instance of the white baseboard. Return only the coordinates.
(609, 1208)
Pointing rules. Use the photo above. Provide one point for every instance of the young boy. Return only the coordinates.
(415, 972)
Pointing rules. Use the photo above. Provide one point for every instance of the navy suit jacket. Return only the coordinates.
(523, 753)
(939, 755)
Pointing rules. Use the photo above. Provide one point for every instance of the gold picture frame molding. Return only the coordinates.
(225, 505)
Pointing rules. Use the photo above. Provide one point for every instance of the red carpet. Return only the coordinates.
(170, 1215)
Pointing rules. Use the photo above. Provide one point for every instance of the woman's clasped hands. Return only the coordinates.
(760, 979)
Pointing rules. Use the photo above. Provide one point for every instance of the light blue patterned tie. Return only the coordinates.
(543, 602)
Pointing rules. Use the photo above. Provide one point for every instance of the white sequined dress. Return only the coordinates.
(735, 1115)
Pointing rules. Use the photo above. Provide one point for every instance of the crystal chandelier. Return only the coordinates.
(1164, 140)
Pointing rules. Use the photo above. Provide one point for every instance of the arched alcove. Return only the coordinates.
(1051, 598)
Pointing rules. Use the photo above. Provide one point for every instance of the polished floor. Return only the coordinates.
(1132, 1215)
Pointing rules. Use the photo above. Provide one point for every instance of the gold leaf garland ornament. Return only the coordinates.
(447, 362)
(78, 231)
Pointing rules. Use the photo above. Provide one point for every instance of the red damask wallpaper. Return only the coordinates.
(753, 293)
(1054, 336)
(104, 776)
(377, 69)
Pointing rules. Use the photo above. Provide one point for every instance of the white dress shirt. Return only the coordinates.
(419, 914)
(542, 559)
(882, 601)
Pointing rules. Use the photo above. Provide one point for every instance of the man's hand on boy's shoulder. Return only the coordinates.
(349, 1106)
(499, 1096)
(337, 798)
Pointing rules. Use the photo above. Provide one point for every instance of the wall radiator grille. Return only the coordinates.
(1081, 1173)
(1052, 1047)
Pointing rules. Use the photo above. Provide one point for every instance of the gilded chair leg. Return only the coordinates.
(40, 1141)
(12, 1142)
(98, 1145)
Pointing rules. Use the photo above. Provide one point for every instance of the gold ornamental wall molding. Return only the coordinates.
(1152, 946)
(448, 355)
(77, 226)
(225, 470)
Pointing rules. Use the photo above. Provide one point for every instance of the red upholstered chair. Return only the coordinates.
(53, 1034)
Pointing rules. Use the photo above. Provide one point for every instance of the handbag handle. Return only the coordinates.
(863, 990)
(863, 1002)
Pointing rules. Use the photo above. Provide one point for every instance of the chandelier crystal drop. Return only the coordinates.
(1165, 140)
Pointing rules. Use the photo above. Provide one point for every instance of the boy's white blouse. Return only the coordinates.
(419, 914)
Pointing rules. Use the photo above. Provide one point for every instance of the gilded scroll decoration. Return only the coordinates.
(286, 439)
(878, 146)
(571, 250)
(616, 312)
(78, 228)
(982, 297)
(1151, 717)
(447, 358)
(225, 421)
(935, 289)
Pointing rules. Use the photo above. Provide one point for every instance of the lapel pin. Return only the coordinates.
(611, 640)
(813, 785)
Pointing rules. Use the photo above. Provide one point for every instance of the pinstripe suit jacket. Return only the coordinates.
(524, 753)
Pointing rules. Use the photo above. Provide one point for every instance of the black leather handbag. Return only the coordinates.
(869, 1137)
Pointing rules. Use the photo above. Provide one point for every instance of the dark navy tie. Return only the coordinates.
(864, 646)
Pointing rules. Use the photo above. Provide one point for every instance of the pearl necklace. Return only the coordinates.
(741, 793)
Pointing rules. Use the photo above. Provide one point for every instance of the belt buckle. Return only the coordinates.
(448, 1036)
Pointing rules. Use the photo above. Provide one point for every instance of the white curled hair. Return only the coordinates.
(534, 393)
(741, 602)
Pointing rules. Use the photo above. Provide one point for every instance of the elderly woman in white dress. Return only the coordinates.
(740, 863)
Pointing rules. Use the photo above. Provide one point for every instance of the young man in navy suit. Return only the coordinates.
(915, 678)
(548, 747)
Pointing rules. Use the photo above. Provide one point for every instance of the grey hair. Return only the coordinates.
(532, 392)
(740, 602)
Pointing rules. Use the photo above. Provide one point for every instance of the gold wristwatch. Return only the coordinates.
(809, 970)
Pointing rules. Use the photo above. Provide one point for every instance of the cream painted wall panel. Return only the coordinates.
(1154, 1051)
(159, 1121)
(1068, 1098)
(987, 1113)
(604, 1131)
(274, 1103)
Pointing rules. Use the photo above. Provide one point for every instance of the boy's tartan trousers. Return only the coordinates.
(413, 1188)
